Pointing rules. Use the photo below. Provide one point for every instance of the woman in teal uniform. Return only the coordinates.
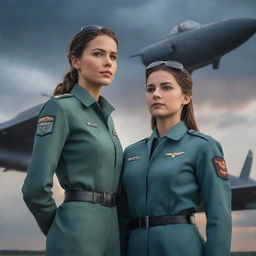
(167, 176)
(76, 138)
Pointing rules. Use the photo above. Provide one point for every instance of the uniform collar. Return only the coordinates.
(151, 139)
(175, 133)
(105, 105)
(82, 95)
(87, 99)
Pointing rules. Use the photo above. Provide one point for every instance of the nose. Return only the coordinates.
(156, 93)
(108, 61)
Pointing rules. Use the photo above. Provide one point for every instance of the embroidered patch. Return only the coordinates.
(92, 124)
(45, 125)
(172, 155)
(135, 158)
(220, 167)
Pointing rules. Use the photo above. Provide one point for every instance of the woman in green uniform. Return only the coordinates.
(76, 138)
(167, 176)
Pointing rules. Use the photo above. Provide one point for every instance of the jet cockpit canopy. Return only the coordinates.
(184, 26)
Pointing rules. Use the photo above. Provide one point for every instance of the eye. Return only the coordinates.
(113, 57)
(98, 54)
(167, 87)
(150, 89)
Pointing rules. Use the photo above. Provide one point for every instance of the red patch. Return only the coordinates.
(220, 167)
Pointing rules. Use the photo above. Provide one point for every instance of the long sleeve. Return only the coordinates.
(213, 180)
(52, 131)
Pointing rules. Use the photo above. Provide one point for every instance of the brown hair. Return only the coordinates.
(77, 46)
(184, 80)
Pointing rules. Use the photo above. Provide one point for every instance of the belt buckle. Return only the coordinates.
(191, 219)
(94, 197)
(108, 199)
(144, 222)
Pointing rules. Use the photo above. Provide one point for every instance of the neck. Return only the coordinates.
(165, 124)
(93, 89)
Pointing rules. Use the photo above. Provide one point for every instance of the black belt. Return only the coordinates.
(103, 198)
(148, 221)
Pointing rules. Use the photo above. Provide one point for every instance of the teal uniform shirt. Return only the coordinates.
(185, 168)
(77, 140)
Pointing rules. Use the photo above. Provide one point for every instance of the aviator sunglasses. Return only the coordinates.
(89, 28)
(170, 64)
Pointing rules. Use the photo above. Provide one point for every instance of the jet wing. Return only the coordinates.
(244, 197)
(22, 126)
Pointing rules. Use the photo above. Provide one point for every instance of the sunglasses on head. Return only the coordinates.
(170, 64)
(89, 28)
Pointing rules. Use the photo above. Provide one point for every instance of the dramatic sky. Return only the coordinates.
(34, 39)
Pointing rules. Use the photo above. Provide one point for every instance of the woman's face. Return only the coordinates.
(98, 63)
(164, 96)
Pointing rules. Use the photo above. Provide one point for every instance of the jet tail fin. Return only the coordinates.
(245, 173)
(135, 55)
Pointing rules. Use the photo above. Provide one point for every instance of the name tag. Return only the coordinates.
(135, 158)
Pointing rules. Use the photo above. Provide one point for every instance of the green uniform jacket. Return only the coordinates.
(76, 139)
(175, 184)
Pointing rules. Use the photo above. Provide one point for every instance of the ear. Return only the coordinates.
(186, 99)
(75, 62)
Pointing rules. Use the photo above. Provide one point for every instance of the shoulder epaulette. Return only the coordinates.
(199, 134)
(65, 95)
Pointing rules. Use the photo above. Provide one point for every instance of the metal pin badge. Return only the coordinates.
(172, 155)
(114, 132)
(91, 124)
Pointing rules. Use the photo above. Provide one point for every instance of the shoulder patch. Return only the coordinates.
(45, 125)
(198, 134)
(220, 167)
(60, 96)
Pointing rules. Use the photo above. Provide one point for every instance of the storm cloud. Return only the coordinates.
(35, 37)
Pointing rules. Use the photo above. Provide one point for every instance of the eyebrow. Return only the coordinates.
(163, 83)
(99, 49)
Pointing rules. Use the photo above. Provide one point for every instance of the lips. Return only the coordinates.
(157, 104)
(106, 73)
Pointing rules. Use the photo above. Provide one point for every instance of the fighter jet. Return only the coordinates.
(243, 187)
(197, 45)
(190, 43)
(16, 139)
(16, 143)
